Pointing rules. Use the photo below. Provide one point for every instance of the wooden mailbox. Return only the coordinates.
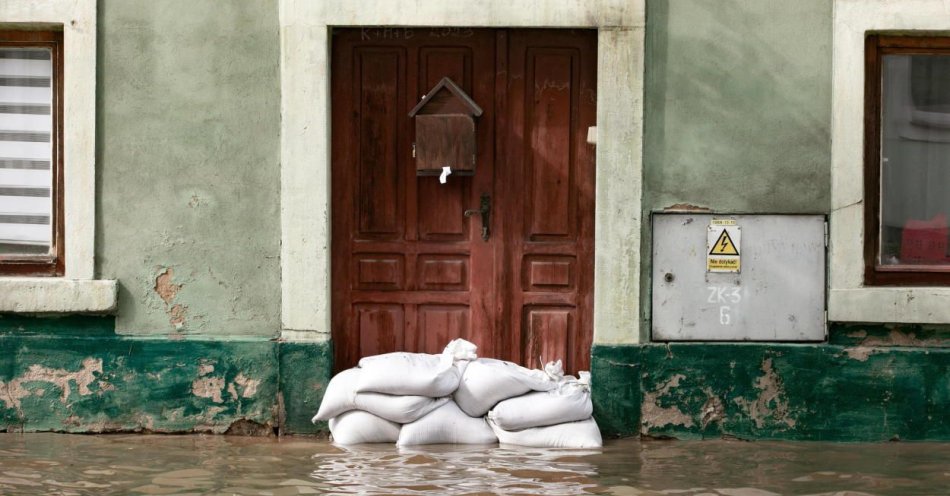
(445, 130)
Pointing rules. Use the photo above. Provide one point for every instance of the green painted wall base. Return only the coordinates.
(305, 370)
(75, 375)
(773, 391)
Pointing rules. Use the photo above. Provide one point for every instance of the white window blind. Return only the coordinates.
(26, 151)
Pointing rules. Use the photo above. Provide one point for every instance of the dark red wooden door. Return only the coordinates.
(410, 271)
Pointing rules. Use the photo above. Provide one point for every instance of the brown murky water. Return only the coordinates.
(59, 464)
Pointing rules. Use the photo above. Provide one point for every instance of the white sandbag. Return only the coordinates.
(359, 427)
(583, 434)
(338, 398)
(569, 402)
(461, 349)
(398, 409)
(417, 374)
(446, 425)
(487, 381)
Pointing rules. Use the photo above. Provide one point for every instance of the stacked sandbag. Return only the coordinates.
(416, 398)
(359, 427)
(556, 418)
(447, 425)
(574, 435)
(488, 381)
(342, 396)
(369, 403)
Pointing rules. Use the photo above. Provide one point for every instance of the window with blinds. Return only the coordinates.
(29, 167)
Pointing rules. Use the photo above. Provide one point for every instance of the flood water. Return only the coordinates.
(60, 464)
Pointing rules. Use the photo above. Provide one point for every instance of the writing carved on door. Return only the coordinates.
(411, 269)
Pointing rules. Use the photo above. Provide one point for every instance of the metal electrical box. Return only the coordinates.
(738, 277)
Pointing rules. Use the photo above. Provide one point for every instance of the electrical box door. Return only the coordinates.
(738, 277)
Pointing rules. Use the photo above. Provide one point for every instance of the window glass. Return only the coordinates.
(26, 151)
(915, 161)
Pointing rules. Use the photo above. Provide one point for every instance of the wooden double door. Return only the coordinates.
(410, 271)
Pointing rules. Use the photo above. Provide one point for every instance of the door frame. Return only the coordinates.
(305, 142)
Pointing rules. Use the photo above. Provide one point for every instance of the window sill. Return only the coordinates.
(909, 305)
(57, 295)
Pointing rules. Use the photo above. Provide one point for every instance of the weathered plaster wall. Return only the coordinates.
(737, 109)
(188, 215)
(738, 105)
(878, 388)
(74, 374)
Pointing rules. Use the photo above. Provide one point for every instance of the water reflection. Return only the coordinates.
(129, 464)
(457, 470)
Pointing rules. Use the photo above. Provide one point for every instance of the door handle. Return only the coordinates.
(484, 209)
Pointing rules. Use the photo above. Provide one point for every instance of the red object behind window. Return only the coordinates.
(925, 240)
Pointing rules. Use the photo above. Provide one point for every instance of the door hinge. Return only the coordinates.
(413, 150)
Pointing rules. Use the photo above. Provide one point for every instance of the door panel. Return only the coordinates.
(402, 248)
(548, 162)
(380, 128)
(439, 324)
(552, 95)
(548, 334)
(410, 271)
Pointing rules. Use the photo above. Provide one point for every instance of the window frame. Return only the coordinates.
(77, 290)
(850, 299)
(876, 47)
(54, 263)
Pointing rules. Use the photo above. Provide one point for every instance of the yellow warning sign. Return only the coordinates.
(723, 242)
(724, 245)
(719, 264)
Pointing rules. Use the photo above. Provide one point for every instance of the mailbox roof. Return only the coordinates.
(447, 84)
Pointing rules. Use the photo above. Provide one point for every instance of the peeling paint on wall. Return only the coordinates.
(109, 383)
(654, 415)
(248, 386)
(859, 353)
(167, 290)
(897, 337)
(713, 411)
(12, 392)
(866, 344)
(214, 387)
(686, 207)
(208, 387)
(771, 405)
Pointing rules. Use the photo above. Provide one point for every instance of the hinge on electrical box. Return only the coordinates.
(826, 234)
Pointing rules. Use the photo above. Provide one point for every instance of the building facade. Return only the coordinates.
(703, 202)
